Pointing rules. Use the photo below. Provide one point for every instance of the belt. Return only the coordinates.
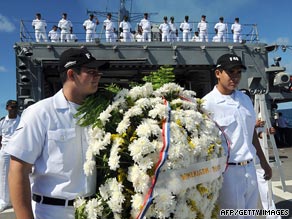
(243, 163)
(54, 201)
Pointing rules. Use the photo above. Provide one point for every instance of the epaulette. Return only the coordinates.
(2, 118)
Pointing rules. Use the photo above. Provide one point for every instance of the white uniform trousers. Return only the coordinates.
(126, 36)
(146, 36)
(165, 36)
(203, 35)
(239, 189)
(172, 37)
(42, 211)
(237, 38)
(186, 36)
(90, 35)
(4, 168)
(109, 36)
(65, 35)
(40, 34)
(221, 36)
(267, 202)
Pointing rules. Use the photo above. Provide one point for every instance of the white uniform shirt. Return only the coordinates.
(65, 25)
(235, 114)
(236, 27)
(7, 128)
(203, 26)
(172, 27)
(126, 26)
(164, 27)
(39, 25)
(185, 26)
(48, 137)
(145, 24)
(221, 27)
(54, 36)
(109, 25)
(89, 25)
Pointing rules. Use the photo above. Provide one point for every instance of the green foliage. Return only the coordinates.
(94, 105)
(162, 76)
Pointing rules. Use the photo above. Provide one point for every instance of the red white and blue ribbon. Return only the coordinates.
(162, 158)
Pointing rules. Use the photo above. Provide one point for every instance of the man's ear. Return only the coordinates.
(70, 74)
(217, 73)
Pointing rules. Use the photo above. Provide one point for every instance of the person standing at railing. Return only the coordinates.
(173, 30)
(125, 28)
(90, 27)
(186, 28)
(203, 29)
(221, 30)
(39, 27)
(66, 28)
(146, 26)
(54, 35)
(164, 29)
(110, 29)
(236, 29)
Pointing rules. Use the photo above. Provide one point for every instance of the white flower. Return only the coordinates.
(93, 209)
(139, 178)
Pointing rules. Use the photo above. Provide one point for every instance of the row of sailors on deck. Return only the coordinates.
(168, 30)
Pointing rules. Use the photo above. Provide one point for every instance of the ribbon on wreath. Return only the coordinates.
(162, 158)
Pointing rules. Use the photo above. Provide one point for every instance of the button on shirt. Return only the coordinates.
(48, 137)
(235, 115)
(7, 128)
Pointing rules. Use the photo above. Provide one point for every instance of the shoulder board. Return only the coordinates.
(2, 118)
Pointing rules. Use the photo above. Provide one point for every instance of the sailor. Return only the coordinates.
(164, 29)
(221, 30)
(66, 27)
(39, 27)
(236, 29)
(53, 35)
(196, 37)
(173, 30)
(203, 29)
(125, 29)
(186, 28)
(90, 27)
(110, 29)
(146, 26)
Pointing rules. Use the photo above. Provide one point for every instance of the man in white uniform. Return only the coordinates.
(164, 29)
(8, 125)
(146, 26)
(173, 30)
(66, 28)
(51, 148)
(89, 26)
(186, 28)
(233, 112)
(221, 30)
(54, 35)
(109, 28)
(203, 29)
(236, 31)
(196, 37)
(39, 27)
(125, 29)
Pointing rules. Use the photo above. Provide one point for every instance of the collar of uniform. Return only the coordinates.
(60, 101)
(220, 98)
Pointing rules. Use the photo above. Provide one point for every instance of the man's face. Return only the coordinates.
(228, 80)
(12, 110)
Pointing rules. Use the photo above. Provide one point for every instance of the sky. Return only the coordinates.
(273, 20)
